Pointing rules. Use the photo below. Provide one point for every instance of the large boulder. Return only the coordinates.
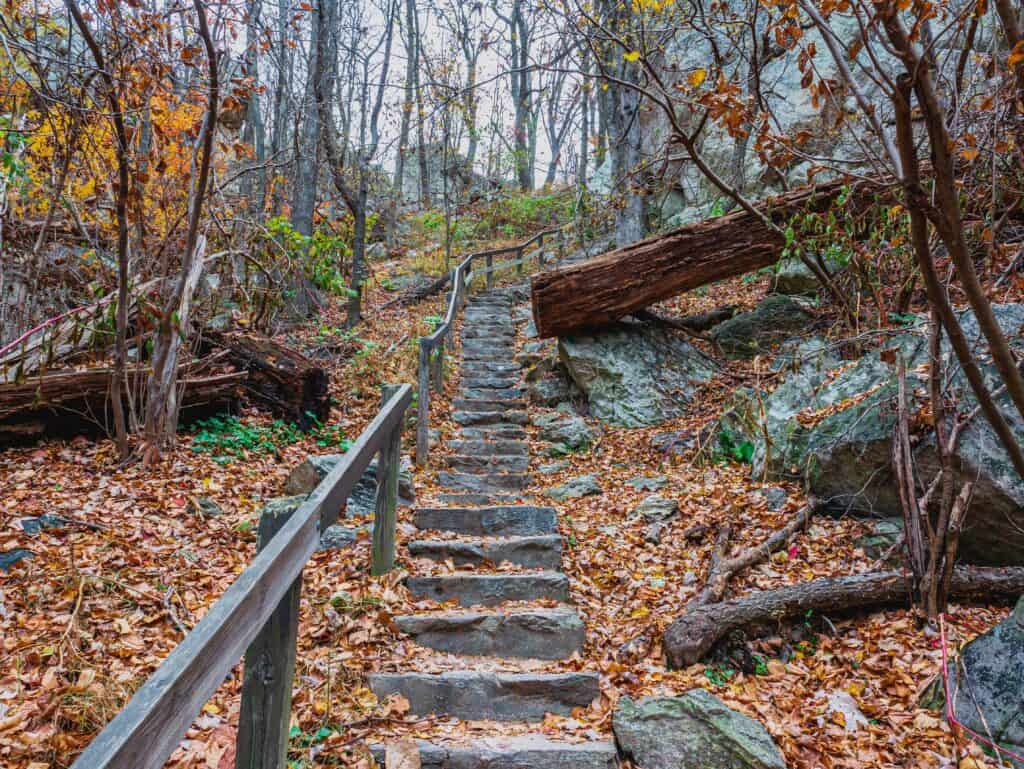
(792, 276)
(634, 374)
(988, 681)
(307, 476)
(563, 429)
(830, 424)
(695, 730)
(775, 320)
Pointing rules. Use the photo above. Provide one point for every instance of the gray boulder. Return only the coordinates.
(695, 730)
(656, 508)
(307, 476)
(988, 683)
(773, 321)
(583, 486)
(568, 430)
(792, 276)
(634, 374)
(835, 433)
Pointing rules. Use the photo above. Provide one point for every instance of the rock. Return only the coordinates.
(643, 483)
(307, 476)
(528, 751)
(550, 391)
(376, 251)
(884, 534)
(842, 704)
(989, 700)
(692, 731)
(844, 455)
(471, 589)
(205, 506)
(673, 444)
(45, 522)
(10, 557)
(582, 486)
(792, 276)
(554, 467)
(568, 430)
(775, 496)
(634, 374)
(337, 537)
(652, 534)
(656, 508)
(773, 321)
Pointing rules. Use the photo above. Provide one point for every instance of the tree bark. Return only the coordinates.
(602, 290)
(691, 636)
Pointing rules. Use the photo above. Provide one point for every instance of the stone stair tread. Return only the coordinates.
(492, 393)
(484, 482)
(479, 499)
(485, 462)
(544, 634)
(490, 696)
(470, 588)
(496, 447)
(496, 520)
(524, 751)
(542, 551)
(491, 432)
(490, 417)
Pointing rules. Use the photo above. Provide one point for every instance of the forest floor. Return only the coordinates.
(107, 595)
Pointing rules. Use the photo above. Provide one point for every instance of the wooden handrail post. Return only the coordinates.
(520, 253)
(561, 245)
(490, 271)
(437, 365)
(423, 404)
(389, 461)
(262, 741)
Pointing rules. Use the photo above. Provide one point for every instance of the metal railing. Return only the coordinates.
(257, 616)
(430, 372)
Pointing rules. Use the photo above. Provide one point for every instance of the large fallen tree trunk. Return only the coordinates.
(288, 383)
(602, 290)
(68, 403)
(691, 636)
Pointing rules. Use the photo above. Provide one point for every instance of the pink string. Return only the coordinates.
(6, 348)
(949, 701)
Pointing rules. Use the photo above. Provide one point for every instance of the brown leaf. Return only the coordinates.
(402, 754)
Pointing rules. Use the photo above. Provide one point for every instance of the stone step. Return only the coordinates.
(484, 357)
(493, 463)
(496, 381)
(481, 404)
(537, 552)
(525, 751)
(495, 521)
(487, 368)
(498, 352)
(493, 432)
(472, 589)
(543, 634)
(466, 499)
(504, 448)
(490, 417)
(500, 482)
(491, 393)
(493, 334)
(490, 696)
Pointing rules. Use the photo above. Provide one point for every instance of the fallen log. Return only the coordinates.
(69, 403)
(609, 287)
(420, 291)
(690, 637)
(282, 379)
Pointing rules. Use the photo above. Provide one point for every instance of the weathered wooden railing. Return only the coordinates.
(432, 347)
(258, 615)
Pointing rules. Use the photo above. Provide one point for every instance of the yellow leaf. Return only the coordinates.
(1016, 55)
(969, 153)
(640, 613)
(211, 709)
(697, 77)
(631, 56)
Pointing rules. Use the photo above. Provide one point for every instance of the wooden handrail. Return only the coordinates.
(431, 347)
(146, 732)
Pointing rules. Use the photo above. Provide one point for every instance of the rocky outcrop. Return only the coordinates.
(634, 374)
(695, 730)
(583, 486)
(830, 424)
(775, 320)
(306, 476)
(567, 431)
(987, 683)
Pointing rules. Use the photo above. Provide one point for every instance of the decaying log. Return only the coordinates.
(691, 636)
(602, 290)
(67, 403)
(288, 383)
(420, 291)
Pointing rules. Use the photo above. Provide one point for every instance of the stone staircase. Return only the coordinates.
(487, 477)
